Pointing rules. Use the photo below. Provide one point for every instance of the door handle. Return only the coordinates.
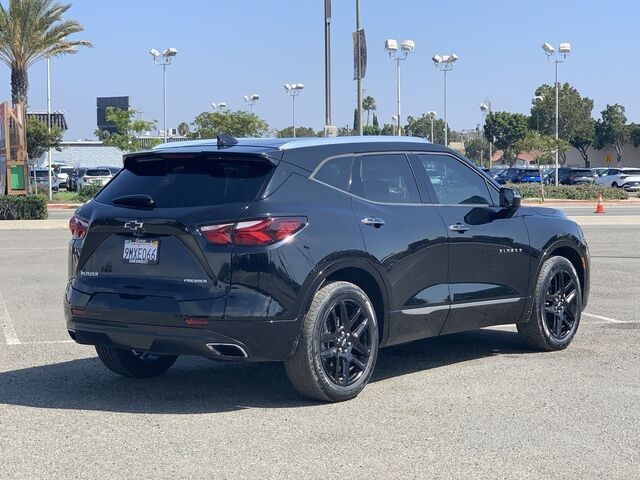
(458, 227)
(373, 222)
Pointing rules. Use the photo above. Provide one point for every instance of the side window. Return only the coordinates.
(386, 178)
(453, 182)
(336, 172)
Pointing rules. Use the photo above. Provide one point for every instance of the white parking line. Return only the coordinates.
(10, 334)
(602, 317)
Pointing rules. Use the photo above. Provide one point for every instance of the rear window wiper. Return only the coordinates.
(135, 201)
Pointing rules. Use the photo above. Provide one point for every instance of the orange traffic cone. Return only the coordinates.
(599, 205)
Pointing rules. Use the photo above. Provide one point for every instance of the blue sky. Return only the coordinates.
(228, 48)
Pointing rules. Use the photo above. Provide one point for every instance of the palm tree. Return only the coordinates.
(31, 30)
(369, 104)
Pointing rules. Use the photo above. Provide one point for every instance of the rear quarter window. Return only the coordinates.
(190, 181)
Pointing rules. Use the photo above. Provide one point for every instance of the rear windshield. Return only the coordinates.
(584, 171)
(631, 172)
(101, 172)
(190, 181)
(42, 174)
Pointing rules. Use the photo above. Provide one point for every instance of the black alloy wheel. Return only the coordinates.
(345, 342)
(555, 316)
(338, 346)
(561, 305)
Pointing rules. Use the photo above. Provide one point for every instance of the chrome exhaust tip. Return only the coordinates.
(227, 350)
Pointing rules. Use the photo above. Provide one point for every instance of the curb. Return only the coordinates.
(63, 206)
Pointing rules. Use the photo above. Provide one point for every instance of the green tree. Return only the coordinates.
(300, 132)
(183, 128)
(375, 121)
(584, 137)
(369, 104)
(129, 130)
(574, 114)
(421, 127)
(237, 124)
(477, 150)
(39, 139)
(371, 130)
(388, 129)
(31, 30)
(505, 130)
(345, 131)
(542, 148)
(634, 132)
(612, 129)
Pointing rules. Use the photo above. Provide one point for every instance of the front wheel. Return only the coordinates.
(557, 307)
(338, 346)
(132, 363)
(614, 185)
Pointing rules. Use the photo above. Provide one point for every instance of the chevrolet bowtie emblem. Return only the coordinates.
(134, 225)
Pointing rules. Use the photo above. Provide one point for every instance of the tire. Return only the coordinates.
(549, 327)
(614, 185)
(335, 358)
(130, 363)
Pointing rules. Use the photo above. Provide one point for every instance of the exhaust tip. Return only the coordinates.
(227, 350)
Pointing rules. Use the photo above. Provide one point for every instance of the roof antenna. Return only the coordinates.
(225, 140)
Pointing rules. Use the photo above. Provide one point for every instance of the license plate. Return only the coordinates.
(143, 252)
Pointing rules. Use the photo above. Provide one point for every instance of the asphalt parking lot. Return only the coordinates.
(473, 405)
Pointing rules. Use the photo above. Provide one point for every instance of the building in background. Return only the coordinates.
(105, 102)
(57, 118)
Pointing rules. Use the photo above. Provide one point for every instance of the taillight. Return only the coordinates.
(78, 227)
(253, 232)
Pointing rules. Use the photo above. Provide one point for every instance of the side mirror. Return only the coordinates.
(509, 198)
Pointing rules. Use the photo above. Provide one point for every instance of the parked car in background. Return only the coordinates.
(40, 177)
(114, 170)
(511, 175)
(599, 170)
(572, 176)
(627, 178)
(72, 182)
(529, 176)
(95, 176)
(62, 175)
(495, 172)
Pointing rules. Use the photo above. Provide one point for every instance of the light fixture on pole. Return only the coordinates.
(163, 59)
(406, 47)
(293, 90)
(444, 63)
(556, 58)
(218, 106)
(432, 116)
(485, 108)
(251, 100)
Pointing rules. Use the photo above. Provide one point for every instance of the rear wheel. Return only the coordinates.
(338, 346)
(131, 363)
(557, 308)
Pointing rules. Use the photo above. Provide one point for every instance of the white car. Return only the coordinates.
(62, 174)
(627, 178)
(95, 176)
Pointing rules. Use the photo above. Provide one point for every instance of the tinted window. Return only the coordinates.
(454, 182)
(631, 172)
(386, 178)
(98, 172)
(189, 181)
(336, 172)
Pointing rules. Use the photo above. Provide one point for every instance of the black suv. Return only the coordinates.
(315, 252)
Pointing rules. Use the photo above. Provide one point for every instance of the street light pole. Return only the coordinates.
(327, 64)
(49, 124)
(406, 47)
(486, 108)
(444, 63)
(432, 115)
(293, 90)
(556, 58)
(163, 60)
(358, 69)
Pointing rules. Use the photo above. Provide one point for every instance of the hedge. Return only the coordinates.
(89, 191)
(26, 207)
(569, 192)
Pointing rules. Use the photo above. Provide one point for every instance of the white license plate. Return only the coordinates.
(143, 252)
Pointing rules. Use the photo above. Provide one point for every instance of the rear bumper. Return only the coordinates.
(256, 341)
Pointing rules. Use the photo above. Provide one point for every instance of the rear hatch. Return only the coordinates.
(583, 176)
(143, 235)
(630, 178)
